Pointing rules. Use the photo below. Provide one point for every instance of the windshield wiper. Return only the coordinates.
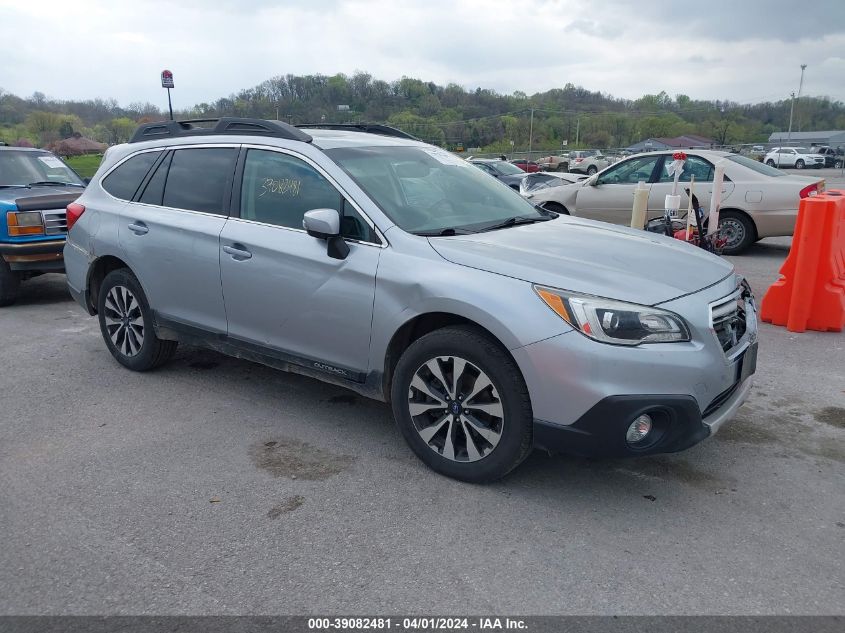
(514, 221)
(14, 186)
(449, 230)
(57, 183)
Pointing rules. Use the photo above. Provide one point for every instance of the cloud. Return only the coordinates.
(720, 50)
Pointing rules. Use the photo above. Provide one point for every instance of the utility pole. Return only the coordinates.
(577, 130)
(530, 136)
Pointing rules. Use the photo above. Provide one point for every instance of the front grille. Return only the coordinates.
(727, 317)
(55, 222)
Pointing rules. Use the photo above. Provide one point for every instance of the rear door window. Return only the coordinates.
(199, 179)
(693, 166)
(124, 181)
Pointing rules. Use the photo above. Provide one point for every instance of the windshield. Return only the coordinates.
(426, 189)
(754, 165)
(21, 168)
(506, 169)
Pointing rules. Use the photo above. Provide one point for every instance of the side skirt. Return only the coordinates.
(361, 382)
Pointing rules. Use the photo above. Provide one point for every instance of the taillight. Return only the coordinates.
(812, 190)
(74, 212)
(578, 160)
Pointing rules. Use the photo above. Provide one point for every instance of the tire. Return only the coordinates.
(799, 164)
(770, 163)
(739, 225)
(592, 169)
(837, 164)
(10, 285)
(483, 446)
(126, 323)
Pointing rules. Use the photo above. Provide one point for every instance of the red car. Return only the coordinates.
(526, 165)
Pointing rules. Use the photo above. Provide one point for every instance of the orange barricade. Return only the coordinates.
(810, 294)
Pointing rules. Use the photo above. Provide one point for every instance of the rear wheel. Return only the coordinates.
(592, 169)
(799, 164)
(770, 163)
(10, 284)
(462, 405)
(739, 231)
(126, 323)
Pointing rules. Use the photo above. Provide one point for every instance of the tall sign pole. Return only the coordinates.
(167, 82)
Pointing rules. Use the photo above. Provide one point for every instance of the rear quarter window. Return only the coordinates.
(124, 181)
(199, 179)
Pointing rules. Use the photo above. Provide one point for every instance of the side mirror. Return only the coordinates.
(592, 181)
(324, 224)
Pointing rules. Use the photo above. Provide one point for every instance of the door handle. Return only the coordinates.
(238, 254)
(139, 228)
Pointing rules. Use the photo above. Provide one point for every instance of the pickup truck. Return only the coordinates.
(35, 189)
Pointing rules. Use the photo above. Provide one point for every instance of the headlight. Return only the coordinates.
(25, 223)
(615, 322)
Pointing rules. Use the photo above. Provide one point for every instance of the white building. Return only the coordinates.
(833, 138)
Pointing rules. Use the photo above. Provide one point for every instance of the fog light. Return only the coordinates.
(639, 429)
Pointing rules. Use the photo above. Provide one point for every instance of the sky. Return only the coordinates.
(740, 50)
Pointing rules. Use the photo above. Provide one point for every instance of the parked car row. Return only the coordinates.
(406, 274)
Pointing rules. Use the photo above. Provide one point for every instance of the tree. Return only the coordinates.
(44, 125)
(65, 129)
(120, 129)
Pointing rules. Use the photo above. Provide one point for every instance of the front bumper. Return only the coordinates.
(34, 256)
(601, 431)
(585, 394)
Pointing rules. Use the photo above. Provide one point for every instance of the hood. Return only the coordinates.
(589, 257)
(51, 196)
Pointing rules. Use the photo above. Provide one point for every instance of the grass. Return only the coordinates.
(86, 165)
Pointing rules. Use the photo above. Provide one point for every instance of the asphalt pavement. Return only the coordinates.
(217, 486)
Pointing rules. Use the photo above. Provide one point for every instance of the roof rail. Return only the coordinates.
(371, 128)
(223, 125)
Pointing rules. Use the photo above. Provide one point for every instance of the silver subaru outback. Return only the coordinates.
(362, 257)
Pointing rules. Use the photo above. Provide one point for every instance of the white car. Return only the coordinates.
(797, 157)
(587, 161)
(757, 200)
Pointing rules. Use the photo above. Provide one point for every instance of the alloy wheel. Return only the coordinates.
(456, 409)
(124, 320)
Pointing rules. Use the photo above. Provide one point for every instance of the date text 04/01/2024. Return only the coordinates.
(416, 623)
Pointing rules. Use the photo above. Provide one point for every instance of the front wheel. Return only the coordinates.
(462, 405)
(10, 284)
(126, 323)
(739, 231)
(799, 164)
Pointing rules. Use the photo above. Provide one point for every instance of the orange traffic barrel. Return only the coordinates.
(810, 294)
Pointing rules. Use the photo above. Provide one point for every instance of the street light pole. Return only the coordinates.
(800, 85)
(791, 110)
(530, 137)
(792, 106)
